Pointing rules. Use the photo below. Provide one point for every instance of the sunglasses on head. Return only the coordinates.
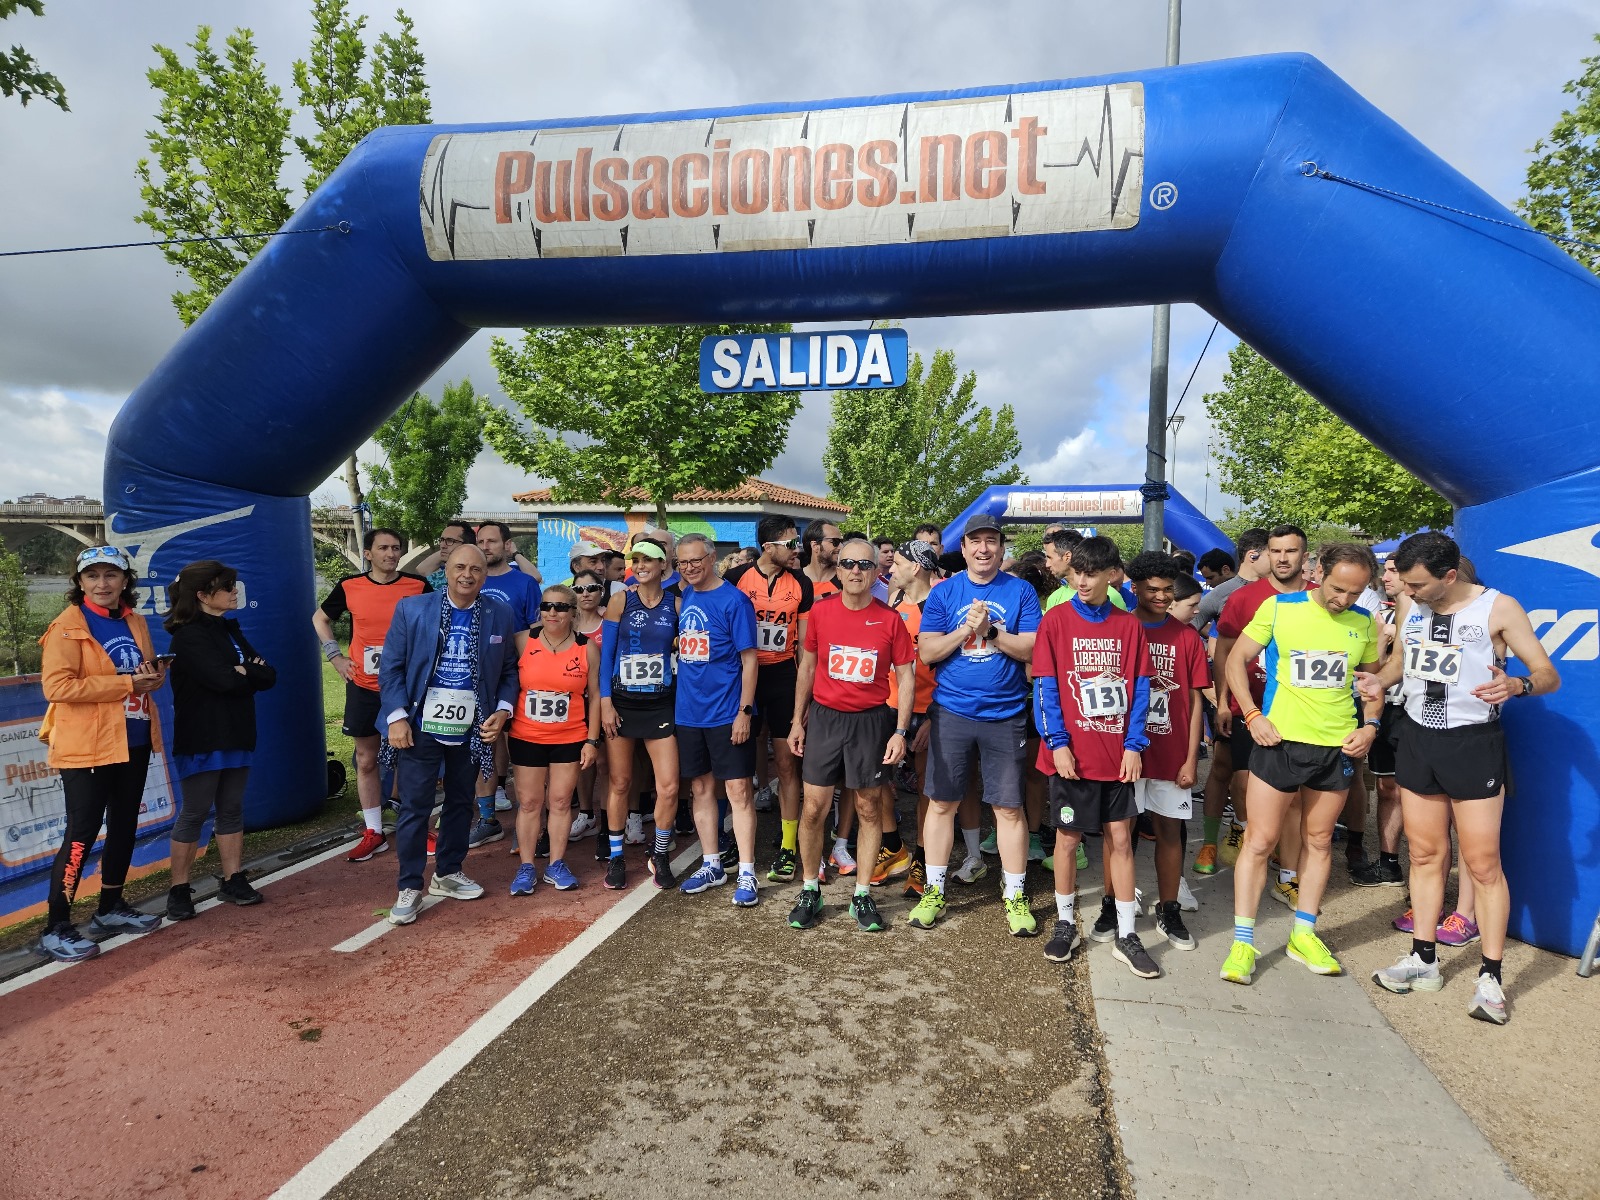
(858, 564)
(555, 606)
(583, 589)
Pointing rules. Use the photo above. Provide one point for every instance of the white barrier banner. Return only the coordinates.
(1125, 504)
(1062, 161)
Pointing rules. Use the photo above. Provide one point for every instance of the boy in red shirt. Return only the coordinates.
(1092, 669)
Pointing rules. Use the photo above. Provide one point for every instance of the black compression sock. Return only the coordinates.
(1353, 843)
(1427, 951)
(891, 841)
(1388, 860)
(1491, 966)
(920, 856)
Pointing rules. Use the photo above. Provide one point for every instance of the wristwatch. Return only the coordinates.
(749, 710)
(903, 733)
(595, 742)
(1374, 722)
(1527, 685)
(988, 634)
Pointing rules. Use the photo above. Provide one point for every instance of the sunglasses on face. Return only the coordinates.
(858, 564)
(555, 606)
(838, 541)
(792, 544)
(583, 589)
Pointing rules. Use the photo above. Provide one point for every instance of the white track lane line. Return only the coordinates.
(122, 939)
(353, 1146)
(377, 929)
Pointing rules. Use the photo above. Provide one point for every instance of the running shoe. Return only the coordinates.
(1205, 863)
(454, 886)
(729, 857)
(1377, 873)
(502, 802)
(685, 821)
(433, 842)
(783, 867)
(1049, 863)
(633, 830)
(661, 871)
(916, 879)
(1063, 941)
(616, 874)
(1405, 923)
(1306, 947)
(928, 910)
(124, 918)
(746, 893)
(989, 844)
(843, 861)
(406, 907)
(1409, 974)
(236, 889)
(559, 876)
(865, 910)
(527, 878)
(372, 842)
(1082, 859)
(1130, 950)
(180, 902)
(1104, 928)
(65, 944)
(807, 910)
(892, 864)
(1488, 1000)
(1187, 900)
(541, 848)
(1286, 893)
(484, 831)
(1035, 848)
(971, 870)
(1232, 843)
(703, 880)
(1170, 922)
(1456, 930)
(766, 797)
(1240, 966)
(583, 825)
(602, 845)
(1019, 915)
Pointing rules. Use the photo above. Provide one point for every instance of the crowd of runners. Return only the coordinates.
(1066, 693)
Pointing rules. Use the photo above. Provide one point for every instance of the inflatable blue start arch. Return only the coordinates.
(1464, 347)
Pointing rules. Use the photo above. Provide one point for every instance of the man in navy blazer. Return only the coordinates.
(442, 693)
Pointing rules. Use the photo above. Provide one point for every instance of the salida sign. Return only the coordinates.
(773, 362)
(1060, 160)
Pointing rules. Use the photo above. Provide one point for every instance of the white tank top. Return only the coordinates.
(1446, 656)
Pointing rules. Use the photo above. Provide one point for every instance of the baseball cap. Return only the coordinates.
(586, 550)
(919, 552)
(648, 549)
(980, 522)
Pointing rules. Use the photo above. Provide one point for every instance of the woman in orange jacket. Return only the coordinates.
(99, 672)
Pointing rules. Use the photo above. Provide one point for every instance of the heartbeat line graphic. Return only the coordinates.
(1103, 149)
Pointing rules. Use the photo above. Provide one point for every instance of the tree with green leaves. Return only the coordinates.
(430, 448)
(1287, 458)
(630, 399)
(919, 452)
(1564, 177)
(15, 619)
(20, 73)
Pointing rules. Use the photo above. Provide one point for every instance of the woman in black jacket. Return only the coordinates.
(216, 674)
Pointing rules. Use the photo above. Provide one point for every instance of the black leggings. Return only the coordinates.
(109, 796)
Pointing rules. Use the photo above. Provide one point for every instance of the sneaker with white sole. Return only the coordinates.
(559, 876)
(526, 880)
(406, 907)
(583, 825)
(766, 797)
(1035, 848)
(65, 944)
(1186, 898)
(843, 861)
(1409, 974)
(502, 802)
(124, 918)
(372, 842)
(454, 886)
(633, 830)
(746, 893)
(708, 876)
(971, 870)
(484, 830)
(1488, 1000)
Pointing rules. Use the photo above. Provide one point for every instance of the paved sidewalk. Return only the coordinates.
(1294, 1086)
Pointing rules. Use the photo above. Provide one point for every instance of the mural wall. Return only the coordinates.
(611, 530)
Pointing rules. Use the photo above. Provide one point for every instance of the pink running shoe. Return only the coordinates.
(1404, 923)
(1456, 930)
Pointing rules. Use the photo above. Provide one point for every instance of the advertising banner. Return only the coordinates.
(1123, 504)
(772, 362)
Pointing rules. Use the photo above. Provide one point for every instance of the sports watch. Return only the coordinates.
(749, 710)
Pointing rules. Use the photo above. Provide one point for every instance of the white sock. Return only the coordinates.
(374, 819)
(936, 876)
(1066, 902)
(1286, 876)
(747, 868)
(840, 843)
(1127, 910)
(1012, 887)
(970, 837)
(713, 860)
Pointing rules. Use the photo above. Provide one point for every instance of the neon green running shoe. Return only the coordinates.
(1241, 964)
(1020, 917)
(1306, 947)
(1083, 858)
(784, 866)
(1049, 863)
(928, 910)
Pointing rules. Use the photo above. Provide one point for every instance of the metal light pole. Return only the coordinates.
(1175, 423)
(1156, 436)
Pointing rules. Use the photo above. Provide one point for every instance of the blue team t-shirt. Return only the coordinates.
(520, 593)
(454, 669)
(117, 640)
(978, 681)
(709, 690)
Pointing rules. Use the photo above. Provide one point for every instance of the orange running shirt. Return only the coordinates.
(911, 614)
(550, 697)
(371, 607)
(779, 602)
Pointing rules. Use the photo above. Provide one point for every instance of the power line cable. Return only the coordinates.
(338, 227)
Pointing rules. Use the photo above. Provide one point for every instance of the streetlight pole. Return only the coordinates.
(1160, 351)
(1175, 423)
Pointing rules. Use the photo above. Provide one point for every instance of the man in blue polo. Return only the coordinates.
(977, 634)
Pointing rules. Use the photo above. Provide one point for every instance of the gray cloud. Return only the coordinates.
(1477, 85)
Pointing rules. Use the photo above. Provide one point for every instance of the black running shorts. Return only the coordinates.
(775, 685)
(361, 707)
(845, 749)
(712, 752)
(644, 718)
(1465, 763)
(542, 754)
(1290, 766)
(1241, 744)
(1087, 805)
(1380, 759)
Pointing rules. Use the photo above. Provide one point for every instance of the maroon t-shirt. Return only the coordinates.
(1179, 656)
(1236, 614)
(1095, 664)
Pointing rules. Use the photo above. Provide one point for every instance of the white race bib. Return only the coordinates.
(642, 670)
(448, 712)
(772, 636)
(694, 645)
(371, 657)
(851, 664)
(546, 708)
(137, 706)
(1319, 669)
(1160, 714)
(1433, 663)
(1103, 696)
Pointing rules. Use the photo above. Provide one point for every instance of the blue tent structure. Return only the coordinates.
(1265, 190)
(1186, 526)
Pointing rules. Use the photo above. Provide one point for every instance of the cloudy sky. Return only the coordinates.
(1478, 82)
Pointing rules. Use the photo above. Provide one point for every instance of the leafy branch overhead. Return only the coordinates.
(430, 448)
(613, 409)
(1564, 177)
(20, 73)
